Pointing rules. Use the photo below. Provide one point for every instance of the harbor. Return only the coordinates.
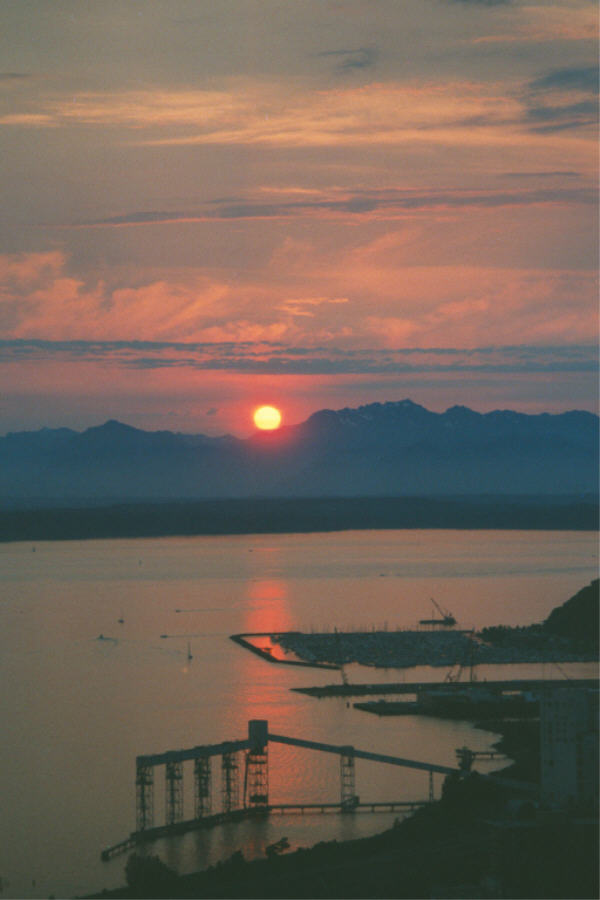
(94, 706)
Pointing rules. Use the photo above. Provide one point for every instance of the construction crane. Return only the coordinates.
(468, 660)
(447, 620)
(338, 645)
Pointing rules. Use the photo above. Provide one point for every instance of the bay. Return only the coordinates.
(78, 710)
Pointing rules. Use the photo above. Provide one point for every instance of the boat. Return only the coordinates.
(447, 620)
(189, 653)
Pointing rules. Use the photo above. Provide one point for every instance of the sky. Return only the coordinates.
(306, 203)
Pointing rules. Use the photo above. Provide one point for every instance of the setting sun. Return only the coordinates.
(267, 418)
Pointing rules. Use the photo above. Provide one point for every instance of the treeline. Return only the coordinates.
(288, 515)
(577, 622)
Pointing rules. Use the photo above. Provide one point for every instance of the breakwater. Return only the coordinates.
(244, 640)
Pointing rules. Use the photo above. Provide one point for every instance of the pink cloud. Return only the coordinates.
(369, 296)
(246, 112)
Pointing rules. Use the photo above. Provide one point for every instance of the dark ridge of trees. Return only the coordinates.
(574, 624)
(579, 617)
(301, 515)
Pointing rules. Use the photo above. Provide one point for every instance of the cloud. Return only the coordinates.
(305, 306)
(146, 217)
(277, 358)
(388, 203)
(531, 23)
(483, 2)
(559, 173)
(582, 78)
(267, 114)
(550, 118)
(372, 295)
(562, 99)
(458, 113)
(352, 60)
(13, 76)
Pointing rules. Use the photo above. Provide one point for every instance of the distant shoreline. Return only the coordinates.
(135, 519)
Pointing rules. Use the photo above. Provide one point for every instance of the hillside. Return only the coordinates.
(578, 618)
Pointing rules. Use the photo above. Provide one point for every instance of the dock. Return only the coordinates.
(534, 685)
(137, 838)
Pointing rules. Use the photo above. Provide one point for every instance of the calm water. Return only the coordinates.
(76, 711)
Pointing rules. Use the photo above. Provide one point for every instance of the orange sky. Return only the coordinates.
(312, 204)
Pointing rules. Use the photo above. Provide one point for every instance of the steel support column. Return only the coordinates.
(230, 785)
(202, 787)
(256, 779)
(347, 792)
(174, 792)
(144, 797)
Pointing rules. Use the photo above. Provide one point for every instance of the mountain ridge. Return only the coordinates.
(394, 448)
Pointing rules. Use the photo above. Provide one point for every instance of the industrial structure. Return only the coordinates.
(244, 779)
(569, 749)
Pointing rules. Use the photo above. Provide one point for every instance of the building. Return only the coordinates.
(569, 749)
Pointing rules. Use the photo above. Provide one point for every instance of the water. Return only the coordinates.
(76, 710)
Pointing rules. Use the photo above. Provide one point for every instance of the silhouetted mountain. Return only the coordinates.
(382, 449)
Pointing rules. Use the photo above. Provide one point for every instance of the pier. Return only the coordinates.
(244, 785)
(534, 685)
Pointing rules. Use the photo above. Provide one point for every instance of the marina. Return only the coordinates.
(439, 647)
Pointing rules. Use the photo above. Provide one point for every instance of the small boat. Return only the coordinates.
(446, 619)
(189, 653)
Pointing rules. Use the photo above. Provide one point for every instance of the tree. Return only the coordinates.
(148, 876)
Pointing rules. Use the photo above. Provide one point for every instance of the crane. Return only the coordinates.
(447, 619)
(338, 645)
(468, 660)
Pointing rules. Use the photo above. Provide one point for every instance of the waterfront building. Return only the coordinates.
(569, 749)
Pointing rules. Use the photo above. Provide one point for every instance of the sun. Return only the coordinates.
(267, 418)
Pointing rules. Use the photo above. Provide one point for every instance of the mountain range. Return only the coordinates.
(381, 449)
